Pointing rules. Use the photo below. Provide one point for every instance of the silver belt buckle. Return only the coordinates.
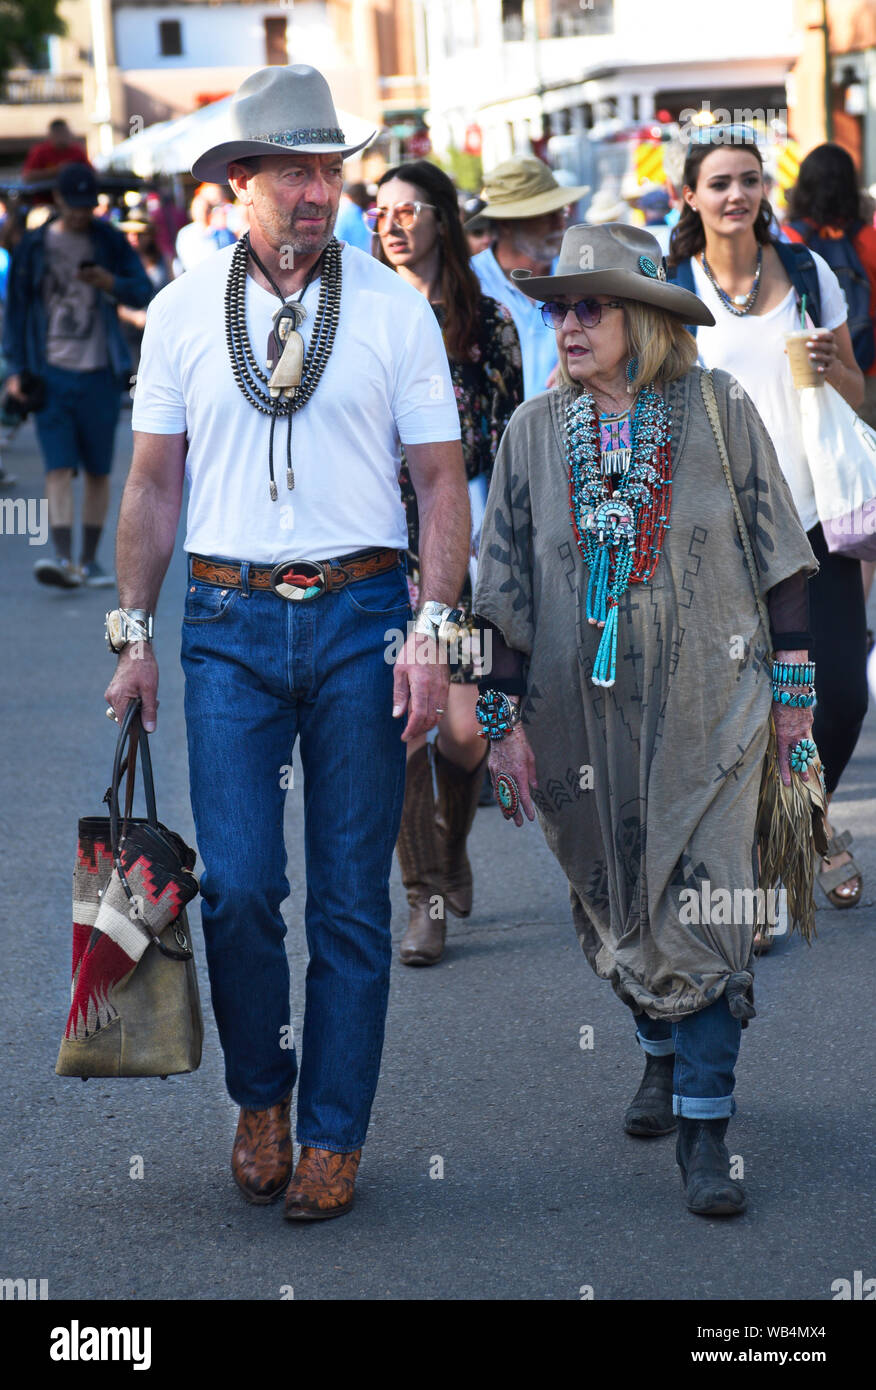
(287, 577)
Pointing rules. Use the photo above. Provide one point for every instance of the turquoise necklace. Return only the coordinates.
(619, 522)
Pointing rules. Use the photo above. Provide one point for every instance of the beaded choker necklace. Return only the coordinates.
(619, 522)
(295, 376)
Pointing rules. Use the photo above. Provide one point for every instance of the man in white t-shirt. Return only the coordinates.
(294, 532)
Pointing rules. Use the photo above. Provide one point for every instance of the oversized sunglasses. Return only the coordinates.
(588, 312)
(403, 215)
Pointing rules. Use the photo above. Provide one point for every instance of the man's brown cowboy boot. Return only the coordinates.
(261, 1159)
(322, 1186)
(418, 857)
(458, 795)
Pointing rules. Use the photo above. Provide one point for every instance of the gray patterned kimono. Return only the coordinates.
(650, 787)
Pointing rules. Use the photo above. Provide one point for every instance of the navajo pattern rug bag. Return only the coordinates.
(135, 1008)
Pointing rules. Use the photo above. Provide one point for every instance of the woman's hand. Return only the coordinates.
(823, 350)
(833, 356)
(791, 725)
(513, 756)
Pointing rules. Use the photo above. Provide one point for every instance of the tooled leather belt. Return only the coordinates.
(297, 580)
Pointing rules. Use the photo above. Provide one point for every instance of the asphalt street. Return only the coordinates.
(542, 1194)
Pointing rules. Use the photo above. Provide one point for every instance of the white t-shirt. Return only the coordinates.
(752, 348)
(387, 379)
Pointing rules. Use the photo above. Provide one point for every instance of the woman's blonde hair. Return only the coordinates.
(663, 346)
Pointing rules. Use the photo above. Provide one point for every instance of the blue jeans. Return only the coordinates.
(262, 672)
(706, 1045)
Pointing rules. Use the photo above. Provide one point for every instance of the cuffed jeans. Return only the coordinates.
(262, 672)
(706, 1046)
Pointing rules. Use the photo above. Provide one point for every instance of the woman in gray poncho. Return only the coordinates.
(630, 692)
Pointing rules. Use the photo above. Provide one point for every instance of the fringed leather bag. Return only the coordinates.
(135, 1008)
(790, 820)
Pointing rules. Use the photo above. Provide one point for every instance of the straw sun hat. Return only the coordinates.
(524, 187)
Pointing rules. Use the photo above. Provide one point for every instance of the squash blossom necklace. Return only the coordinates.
(294, 377)
(620, 489)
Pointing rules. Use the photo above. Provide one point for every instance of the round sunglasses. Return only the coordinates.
(588, 312)
(403, 215)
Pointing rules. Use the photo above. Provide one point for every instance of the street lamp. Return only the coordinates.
(828, 104)
(101, 116)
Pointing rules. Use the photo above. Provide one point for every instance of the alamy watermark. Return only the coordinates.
(470, 648)
(20, 516)
(77, 1343)
(728, 127)
(737, 907)
(13, 1289)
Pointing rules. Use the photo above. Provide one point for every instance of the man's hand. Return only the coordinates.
(513, 755)
(97, 278)
(420, 684)
(13, 386)
(136, 674)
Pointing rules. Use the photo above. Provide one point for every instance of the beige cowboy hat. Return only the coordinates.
(606, 207)
(525, 187)
(614, 259)
(278, 110)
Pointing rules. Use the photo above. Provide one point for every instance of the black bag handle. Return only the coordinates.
(132, 734)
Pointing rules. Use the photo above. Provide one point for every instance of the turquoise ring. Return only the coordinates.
(507, 795)
(803, 754)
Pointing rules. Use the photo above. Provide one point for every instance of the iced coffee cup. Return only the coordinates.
(803, 370)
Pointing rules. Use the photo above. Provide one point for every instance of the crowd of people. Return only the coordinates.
(494, 436)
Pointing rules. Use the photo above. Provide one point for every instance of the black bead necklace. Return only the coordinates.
(251, 379)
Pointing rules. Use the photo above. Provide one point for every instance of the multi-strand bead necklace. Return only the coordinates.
(738, 304)
(250, 378)
(619, 522)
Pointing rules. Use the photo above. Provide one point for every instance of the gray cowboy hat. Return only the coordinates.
(614, 259)
(278, 110)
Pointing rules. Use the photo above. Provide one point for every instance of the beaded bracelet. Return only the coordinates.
(496, 714)
(793, 673)
(799, 700)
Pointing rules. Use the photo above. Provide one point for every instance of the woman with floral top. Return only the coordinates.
(420, 235)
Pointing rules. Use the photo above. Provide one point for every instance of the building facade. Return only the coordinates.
(127, 64)
(850, 88)
(509, 75)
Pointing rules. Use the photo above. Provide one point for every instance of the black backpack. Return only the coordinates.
(799, 268)
(844, 261)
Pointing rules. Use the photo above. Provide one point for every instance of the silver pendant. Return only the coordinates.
(286, 375)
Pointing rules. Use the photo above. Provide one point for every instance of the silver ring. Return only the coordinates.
(110, 713)
(438, 711)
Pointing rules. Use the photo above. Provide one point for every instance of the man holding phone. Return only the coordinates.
(65, 283)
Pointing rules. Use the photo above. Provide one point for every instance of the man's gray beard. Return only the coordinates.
(305, 246)
(542, 250)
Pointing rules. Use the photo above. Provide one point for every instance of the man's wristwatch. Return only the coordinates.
(124, 625)
(437, 620)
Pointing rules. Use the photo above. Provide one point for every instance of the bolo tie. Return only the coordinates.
(294, 374)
